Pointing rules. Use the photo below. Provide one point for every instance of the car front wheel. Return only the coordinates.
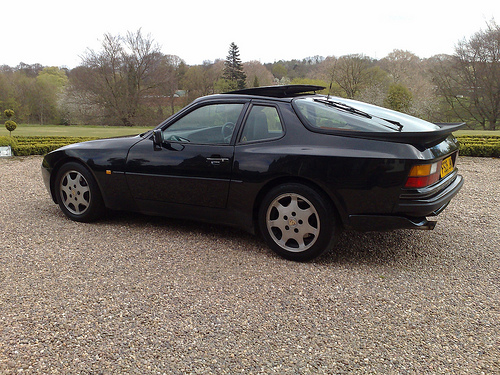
(77, 193)
(297, 222)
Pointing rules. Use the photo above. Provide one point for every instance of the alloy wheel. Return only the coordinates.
(293, 222)
(75, 192)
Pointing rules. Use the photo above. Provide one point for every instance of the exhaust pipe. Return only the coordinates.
(426, 225)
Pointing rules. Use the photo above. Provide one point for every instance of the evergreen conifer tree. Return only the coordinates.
(233, 68)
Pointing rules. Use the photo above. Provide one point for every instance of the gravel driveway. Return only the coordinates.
(146, 295)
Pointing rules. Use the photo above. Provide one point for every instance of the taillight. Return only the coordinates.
(423, 175)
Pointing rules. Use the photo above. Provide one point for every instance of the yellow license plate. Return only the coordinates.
(446, 167)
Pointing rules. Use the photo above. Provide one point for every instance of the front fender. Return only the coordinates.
(105, 159)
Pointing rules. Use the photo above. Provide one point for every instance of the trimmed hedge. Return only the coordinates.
(482, 145)
(43, 145)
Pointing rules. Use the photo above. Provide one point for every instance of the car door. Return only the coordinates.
(194, 162)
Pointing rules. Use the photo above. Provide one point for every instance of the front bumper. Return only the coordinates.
(46, 172)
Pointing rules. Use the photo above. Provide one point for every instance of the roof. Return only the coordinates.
(283, 91)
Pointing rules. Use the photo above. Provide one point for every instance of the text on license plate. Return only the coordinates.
(446, 166)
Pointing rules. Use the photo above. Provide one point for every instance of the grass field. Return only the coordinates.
(24, 130)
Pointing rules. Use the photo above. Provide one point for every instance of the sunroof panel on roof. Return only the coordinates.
(278, 91)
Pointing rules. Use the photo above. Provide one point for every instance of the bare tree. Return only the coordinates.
(124, 76)
(351, 73)
(172, 70)
(257, 74)
(470, 79)
(407, 69)
(201, 80)
(402, 66)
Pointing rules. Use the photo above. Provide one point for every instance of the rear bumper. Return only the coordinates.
(413, 208)
(432, 200)
(368, 223)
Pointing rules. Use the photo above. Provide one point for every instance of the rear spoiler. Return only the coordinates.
(426, 138)
(457, 125)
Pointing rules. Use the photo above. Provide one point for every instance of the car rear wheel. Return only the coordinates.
(297, 222)
(77, 193)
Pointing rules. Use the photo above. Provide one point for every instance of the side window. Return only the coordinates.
(262, 123)
(210, 124)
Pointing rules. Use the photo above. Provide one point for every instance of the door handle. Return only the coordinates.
(217, 160)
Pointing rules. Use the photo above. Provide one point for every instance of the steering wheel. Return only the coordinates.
(227, 131)
(178, 138)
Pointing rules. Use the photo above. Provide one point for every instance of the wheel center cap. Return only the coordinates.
(292, 222)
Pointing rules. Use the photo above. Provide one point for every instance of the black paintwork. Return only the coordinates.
(224, 183)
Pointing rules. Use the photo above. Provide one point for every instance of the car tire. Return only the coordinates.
(297, 222)
(78, 194)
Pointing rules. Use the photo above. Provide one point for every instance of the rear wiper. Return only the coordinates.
(398, 124)
(343, 107)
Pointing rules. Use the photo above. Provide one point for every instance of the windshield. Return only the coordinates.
(344, 114)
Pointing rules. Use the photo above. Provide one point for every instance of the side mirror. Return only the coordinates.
(157, 138)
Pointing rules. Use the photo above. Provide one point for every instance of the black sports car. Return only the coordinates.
(294, 165)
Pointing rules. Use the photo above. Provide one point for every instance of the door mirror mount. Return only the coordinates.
(157, 138)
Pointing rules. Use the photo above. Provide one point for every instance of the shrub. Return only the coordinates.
(10, 126)
(398, 98)
(7, 141)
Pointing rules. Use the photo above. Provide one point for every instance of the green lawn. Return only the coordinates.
(24, 130)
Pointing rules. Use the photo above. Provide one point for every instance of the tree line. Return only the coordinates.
(129, 81)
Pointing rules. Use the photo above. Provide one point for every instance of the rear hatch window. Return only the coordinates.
(333, 114)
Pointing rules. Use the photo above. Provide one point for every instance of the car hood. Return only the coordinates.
(104, 143)
(98, 152)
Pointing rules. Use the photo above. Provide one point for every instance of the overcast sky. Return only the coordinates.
(57, 33)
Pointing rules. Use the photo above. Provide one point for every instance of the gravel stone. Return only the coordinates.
(145, 295)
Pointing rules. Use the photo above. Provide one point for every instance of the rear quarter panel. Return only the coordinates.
(360, 176)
